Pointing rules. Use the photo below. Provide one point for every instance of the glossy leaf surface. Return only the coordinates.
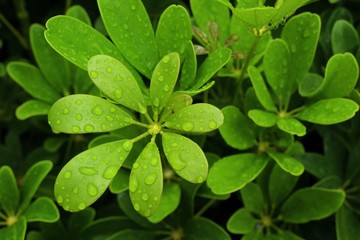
(292, 126)
(42, 209)
(32, 108)
(252, 198)
(241, 222)
(203, 228)
(263, 118)
(287, 163)
(9, 192)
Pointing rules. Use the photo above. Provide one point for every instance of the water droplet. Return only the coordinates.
(110, 172)
(133, 7)
(58, 122)
(79, 102)
(75, 190)
(112, 109)
(154, 161)
(293, 48)
(94, 74)
(97, 110)
(188, 126)
(103, 127)
(145, 197)
(126, 26)
(68, 175)
(88, 171)
(66, 207)
(60, 199)
(79, 117)
(89, 128)
(136, 165)
(82, 206)
(166, 59)
(133, 184)
(109, 69)
(66, 111)
(92, 190)
(200, 179)
(75, 129)
(127, 146)
(137, 207)
(166, 88)
(147, 213)
(212, 124)
(176, 162)
(156, 101)
(118, 93)
(150, 179)
(161, 78)
(109, 118)
(155, 198)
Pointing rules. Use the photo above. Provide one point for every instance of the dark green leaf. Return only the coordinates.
(189, 67)
(120, 182)
(252, 198)
(17, 231)
(287, 163)
(32, 108)
(263, 118)
(310, 85)
(202, 229)
(347, 223)
(257, 17)
(344, 37)
(9, 192)
(42, 209)
(241, 222)
(132, 234)
(79, 220)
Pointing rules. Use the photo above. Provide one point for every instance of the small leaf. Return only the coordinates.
(185, 157)
(188, 68)
(16, 231)
(116, 81)
(79, 220)
(347, 223)
(82, 113)
(344, 37)
(232, 173)
(310, 85)
(170, 200)
(287, 8)
(241, 222)
(129, 26)
(120, 183)
(178, 101)
(329, 111)
(292, 126)
(79, 12)
(244, 136)
(263, 118)
(163, 80)
(42, 209)
(132, 234)
(32, 81)
(256, 17)
(261, 90)
(146, 181)
(308, 204)
(287, 163)
(86, 176)
(32, 108)
(200, 117)
(211, 65)
(202, 228)
(252, 198)
(9, 192)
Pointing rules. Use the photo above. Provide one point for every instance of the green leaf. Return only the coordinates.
(329, 111)
(262, 93)
(32, 81)
(86, 176)
(174, 31)
(292, 126)
(185, 157)
(347, 223)
(244, 136)
(54, 67)
(211, 65)
(120, 183)
(200, 228)
(308, 204)
(286, 9)
(287, 163)
(344, 37)
(189, 67)
(42, 209)
(32, 180)
(146, 181)
(17, 231)
(232, 173)
(170, 200)
(9, 192)
(263, 118)
(310, 85)
(82, 113)
(116, 81)
(132, 234)
(276, 62)
(178, 101)
(241, 222)
(129, 26)
(317, 165)
(256, 17)
(341, 76)
(79, 220)
(281, 184)
(252, 198)
(163, 80)
(80, 13)
(200, 117)
(32, 108)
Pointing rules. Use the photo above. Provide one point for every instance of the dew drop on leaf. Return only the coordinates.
(166, 59)
(97, 110)
(145, 197)
(118, 93)
(137, 207)
(136, 165)
(109, 69)
(79, 102)
(66, 111)
(150, 179)
(188, 126)
(161, 78)
(89, 128)
(154, 161)
(58, 122)
(166, 88)
(78, 117)
(127, 146)
(212, 124)
(88, 171)
(75, 129)
(133, 184)
(110, 172)
(133, 7)
(60, 199)
(176, 162)
(200, 179)
(82, 206)
(94, 74)
(92, 190)
(156, 101)
(68, 175)
(75, 190)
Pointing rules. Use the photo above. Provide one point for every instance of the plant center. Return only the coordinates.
(154, 128)
(11, 220)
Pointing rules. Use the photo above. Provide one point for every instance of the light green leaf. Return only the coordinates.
(244, 137)
(116, 81)
(310, 85)
(256, 17)
(32, 108)
(287, 163)
(262, 93)
(263, 118)
(178, 101)
(32, 180)
(86, 176)
(211, 65)
(185, 157)
(292, 126)
(200, 117)
(82, 113)
(286, 9)
(174, 31)
(199, 228)
(42, 209)
(120, 183)
(341, 75)
(17, 231)
(347, 223)
(9, 192)
(241, 222)
(79, 12)
(308, 204)
(129, 26)
(32, 81)
(344, 37)
(163, 80)
(252, 198)
(54, 67)
(170, 200)
(188, 68)
(232, 173)
(146, 181)
(329, 111)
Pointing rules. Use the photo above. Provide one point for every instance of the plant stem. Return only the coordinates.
(23, 16)
(67, 4)
(138, 138)
(15, 32)
(205, 207)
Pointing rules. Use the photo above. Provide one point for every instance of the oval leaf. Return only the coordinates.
(185, 157)
(120, 183)
(85, 113)
(9, 192)
(241, 222)
(256, 17)
(347, 223)
(146, 181)
(292, 126)
(32, 108)
(252, 198)
(202, 228)
(116, 81)
(263, 118)
(42, 209)
(344, 37)
(86, 176)
(287, 163)
(200, 117)
(232, 173)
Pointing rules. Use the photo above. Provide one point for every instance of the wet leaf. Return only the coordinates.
(9, 192)
(32, 108)
(256, 17)
(188, 68)
(263, 118)
(42, 209)
(120, 182)
(287, 163)
(241, 222)
(292, 126)
(80, 13)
